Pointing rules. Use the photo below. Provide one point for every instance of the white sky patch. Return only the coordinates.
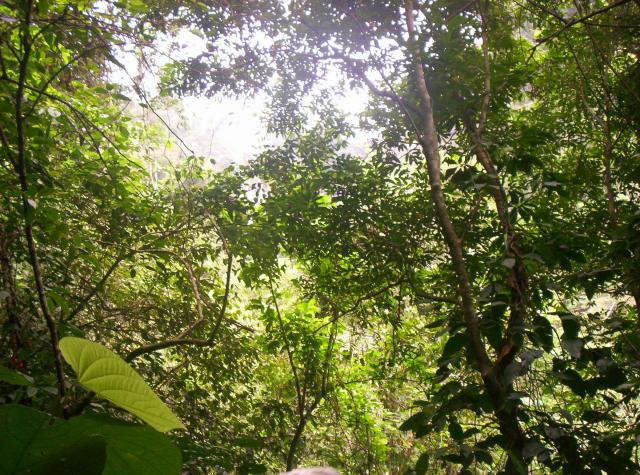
(224, 130)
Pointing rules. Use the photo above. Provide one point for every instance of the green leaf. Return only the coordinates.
(508, 262)
(542, 334)
(484, 456)
(422, 465)
(131, 448)
(415, 422)
(570, 325)
(517, 463)
(453, 345)
(248, 468)
(572, 379)
(13, 377)
(109, 376)
(32, 442)
(68, 329)
(455, 430)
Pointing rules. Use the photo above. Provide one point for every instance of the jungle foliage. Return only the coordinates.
(464, 297)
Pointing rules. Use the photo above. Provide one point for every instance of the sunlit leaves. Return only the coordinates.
(109, 376)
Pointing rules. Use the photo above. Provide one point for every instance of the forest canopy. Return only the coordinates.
(459, 293)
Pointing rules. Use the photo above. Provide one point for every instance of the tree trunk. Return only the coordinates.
(295, 442)
(11, 300)
(507, 419)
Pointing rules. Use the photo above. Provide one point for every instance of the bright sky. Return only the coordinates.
(224, 129)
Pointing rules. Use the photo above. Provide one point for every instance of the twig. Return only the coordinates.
(225, 299)
(55, 75)
(357, 304)
(569, 24)
(85, 119)
(294, 370)
(164, 344)
(85, 300)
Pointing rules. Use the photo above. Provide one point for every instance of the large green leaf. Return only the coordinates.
(32, 442)
(131, 448)
(109, 376)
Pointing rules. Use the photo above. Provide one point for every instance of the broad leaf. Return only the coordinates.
(32, 442)
(131, 448)
(13, 377)
(109, 376)
(422, 465)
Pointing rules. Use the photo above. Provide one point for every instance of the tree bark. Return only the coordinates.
(11, 300)
(507, 419)
(21, 169)
(295, 442)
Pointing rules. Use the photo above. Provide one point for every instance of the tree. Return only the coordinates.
(481, 260)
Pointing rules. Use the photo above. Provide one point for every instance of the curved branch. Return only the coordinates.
(21, 169)
(164, 344)
(569, 24)
(429, 141)
(225, 299)
(294, 369)
(85, 300)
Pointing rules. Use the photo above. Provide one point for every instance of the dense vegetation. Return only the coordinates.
(464, 298)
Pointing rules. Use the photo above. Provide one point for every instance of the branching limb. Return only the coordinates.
(164, 344)
(507, 419)
(357, 304)
(21, 169)
(429, 141)
(225, 299)
(285, 338)
(84, 301)
(569, 24)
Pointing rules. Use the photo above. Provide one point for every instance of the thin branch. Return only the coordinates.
(140, 92)
(486, 100)
(56, 74)
(21, 169)
(471, 219)
(192, 280)
(165, 344)
(86, 121)
(569, 24)
(386, 94)
(294, 370)
(548, 11)
(5, 144)
(429, 141)
(460, 10)
(225, 299)
(85, 300)
(357, 304)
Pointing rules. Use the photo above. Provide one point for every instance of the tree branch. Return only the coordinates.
(569, 24)
(429, 141)
(164, 344)
(225, 299)
(85, 300)
(21, 169)
(357, 304)
(294, 369)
